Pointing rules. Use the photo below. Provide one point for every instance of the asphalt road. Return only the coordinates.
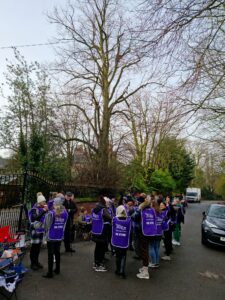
(195, 272)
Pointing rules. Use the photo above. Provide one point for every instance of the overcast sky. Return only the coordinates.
(24, 22)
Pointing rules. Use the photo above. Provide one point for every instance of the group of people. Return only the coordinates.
(53, 221)
(137, 224)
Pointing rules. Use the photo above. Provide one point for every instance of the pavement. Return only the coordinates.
(195, 272)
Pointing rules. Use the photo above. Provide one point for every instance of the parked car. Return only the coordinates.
(213, 225)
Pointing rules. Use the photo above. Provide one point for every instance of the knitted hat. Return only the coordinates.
(120, 211)
(40, 199)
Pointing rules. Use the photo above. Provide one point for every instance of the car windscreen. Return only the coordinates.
(192, 194)
(217, 212)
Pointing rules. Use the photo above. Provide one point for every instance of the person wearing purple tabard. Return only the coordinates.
(156, 238)
(100, 216)
(121, 227)
(147, 217)
(55, 222)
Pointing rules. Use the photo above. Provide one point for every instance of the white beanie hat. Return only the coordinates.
(121, 212)
(40, 199)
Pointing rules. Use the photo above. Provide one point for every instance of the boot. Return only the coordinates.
(143, 274)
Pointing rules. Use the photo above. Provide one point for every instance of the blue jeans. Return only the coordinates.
(154, 250)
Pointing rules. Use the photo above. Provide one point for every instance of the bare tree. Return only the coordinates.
(189, 35)
(98, 63)
(150, 121)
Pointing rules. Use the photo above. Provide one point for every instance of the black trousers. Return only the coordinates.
(136, 242)
(34, 253)
(67, 235)
(99, 253)
(53, 249)
(121, 255)
(168, 241)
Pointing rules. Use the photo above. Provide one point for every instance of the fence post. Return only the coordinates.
(25, 173)
(23, 198)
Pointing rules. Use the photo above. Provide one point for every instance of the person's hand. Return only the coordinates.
(45, 208)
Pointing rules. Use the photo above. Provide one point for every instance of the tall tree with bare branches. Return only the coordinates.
(151, 120)
(190, 36)
(98, 62)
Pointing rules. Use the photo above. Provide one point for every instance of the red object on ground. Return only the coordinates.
(5, 236)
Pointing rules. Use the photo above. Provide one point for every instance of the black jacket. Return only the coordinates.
(71, 208)
(102, 238)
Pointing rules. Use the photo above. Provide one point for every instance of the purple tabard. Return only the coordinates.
(148, 222)
(97, 222)
(56, 230)
(159, 221)
(121, 232)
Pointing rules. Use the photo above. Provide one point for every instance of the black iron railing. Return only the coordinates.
(18, 191)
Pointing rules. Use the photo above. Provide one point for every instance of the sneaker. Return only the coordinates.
(141, 269)
(153, 265)
(166, 257)
(175, 243)
(101, 269)
(143, 275)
